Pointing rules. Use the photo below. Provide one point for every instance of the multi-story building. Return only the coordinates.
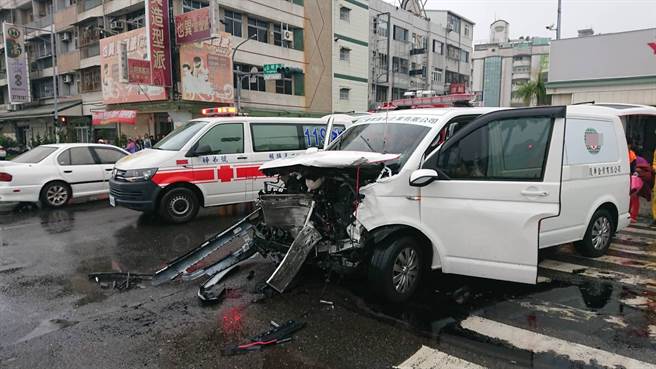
(611, 68)
(416, 49)
(323, 39)
(503, 64)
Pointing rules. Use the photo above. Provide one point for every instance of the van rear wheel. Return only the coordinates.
(396, 268)
(598, 236)
(179, 205)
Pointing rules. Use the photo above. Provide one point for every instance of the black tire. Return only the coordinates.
(55, 194)
(178, 205)
(598, 236)
(396, 285)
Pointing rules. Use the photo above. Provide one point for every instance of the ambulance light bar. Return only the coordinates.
(221, 111)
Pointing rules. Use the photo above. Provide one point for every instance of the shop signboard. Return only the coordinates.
(16, 64)
(206, 70)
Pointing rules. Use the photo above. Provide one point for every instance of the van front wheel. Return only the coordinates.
(396, 268)
(598, 236)
(178, 205)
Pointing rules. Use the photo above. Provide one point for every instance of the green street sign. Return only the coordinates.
(272, 68)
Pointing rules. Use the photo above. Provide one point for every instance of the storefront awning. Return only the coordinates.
(68, 108)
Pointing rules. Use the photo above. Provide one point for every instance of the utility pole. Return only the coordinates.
(239, 73)
(54, 69)
(558, 21)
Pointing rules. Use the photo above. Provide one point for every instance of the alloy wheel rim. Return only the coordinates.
(601, 233)
(180, 205)
(405, 270)
(57, 195)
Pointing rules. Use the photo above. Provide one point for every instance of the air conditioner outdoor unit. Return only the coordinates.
(66, 36)
(117, 25)
(288, 36)
(67, 78)
(12, 107)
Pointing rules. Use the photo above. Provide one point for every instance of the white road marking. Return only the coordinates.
(539, 343)
(428, 358)
(634, 280)
(562, 311)
(639, 230)
(635, 250)
(639, 302)
(618, 260)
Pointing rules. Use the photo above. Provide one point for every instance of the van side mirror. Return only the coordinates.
(202, 150)
(423, 177)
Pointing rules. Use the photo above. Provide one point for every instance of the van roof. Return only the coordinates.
(257, 119)
(616, 109)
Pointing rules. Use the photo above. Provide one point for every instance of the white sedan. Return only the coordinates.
(54, 174)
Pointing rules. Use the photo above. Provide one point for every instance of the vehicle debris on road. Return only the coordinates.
(279, 333)
(119, 280)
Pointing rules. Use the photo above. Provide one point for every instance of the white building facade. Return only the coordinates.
(502, 65)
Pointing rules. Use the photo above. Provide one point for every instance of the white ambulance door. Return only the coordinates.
(215, 157)
(498, 178)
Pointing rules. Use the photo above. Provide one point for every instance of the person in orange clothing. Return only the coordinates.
(632, 158)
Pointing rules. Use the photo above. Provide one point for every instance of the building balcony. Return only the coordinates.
(66, 17)
(522, 63)
(116, 5)
(68, 62)
(416, 72)
(521, 76)
(13, 4)
(418, 51)
(41, 23)
(93, 61)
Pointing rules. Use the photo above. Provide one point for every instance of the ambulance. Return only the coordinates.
(214, 161)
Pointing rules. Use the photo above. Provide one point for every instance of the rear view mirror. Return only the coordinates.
(423, 177)
(203, 150)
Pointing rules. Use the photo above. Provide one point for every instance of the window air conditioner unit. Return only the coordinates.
(288, 36)
(66, 36)
(67, 78)
(117, 24)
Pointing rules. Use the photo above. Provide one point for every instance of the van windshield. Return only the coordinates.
(180, 136)
(386, 138)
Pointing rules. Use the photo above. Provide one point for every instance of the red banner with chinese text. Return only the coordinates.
(138, 71)
(114, 116)
(157, 28)
(192, 26)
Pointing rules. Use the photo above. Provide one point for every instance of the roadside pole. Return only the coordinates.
(239, 73)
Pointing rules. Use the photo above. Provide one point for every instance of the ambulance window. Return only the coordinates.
(222, 139)
(509, 149)
(276, 137)
(315, 135)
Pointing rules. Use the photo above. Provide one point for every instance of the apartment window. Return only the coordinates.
(453, 23)
(400, 33)
(189, 5)
(136, 20)
(284, 86)
(90, 79)
(381, 61)
(232, 22)
(438, 47)
(90, 4)
(399, 65)
(344, 93)
(278, 35)
(259, 28)
(345, 14)
(381, 27)
(436, 75)
(453, 52)
(258, 83)
(397, 93)
(344, 54)
(464, 56)
(381, 93)
(466, 29)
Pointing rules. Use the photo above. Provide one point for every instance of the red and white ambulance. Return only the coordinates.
(214, 161)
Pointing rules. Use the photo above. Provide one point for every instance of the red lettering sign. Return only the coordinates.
(138, 71)
(192, 26)
(157, 27)
(114, 116)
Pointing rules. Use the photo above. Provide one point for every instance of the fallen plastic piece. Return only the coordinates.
(276, 335)
(181, 264)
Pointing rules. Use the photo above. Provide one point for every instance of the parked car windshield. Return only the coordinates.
(386, 138)
(35, 155)
(180, 136)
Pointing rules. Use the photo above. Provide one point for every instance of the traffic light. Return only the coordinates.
(62, 121)
(287, 72)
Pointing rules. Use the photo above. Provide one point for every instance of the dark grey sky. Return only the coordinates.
(529, 17)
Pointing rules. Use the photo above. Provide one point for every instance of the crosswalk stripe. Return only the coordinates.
(638, 230)
(632, 249)
(429, 358)
(591, 272)
(618, 260)
(540, 343)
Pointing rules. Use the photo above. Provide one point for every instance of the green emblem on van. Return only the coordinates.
(593, 140)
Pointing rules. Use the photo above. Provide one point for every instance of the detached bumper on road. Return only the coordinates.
(140, 196)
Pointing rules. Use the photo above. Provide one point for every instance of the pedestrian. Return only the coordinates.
(642, 183)
(147, 143)
(632, 157)
(131, 147)
(153, 141)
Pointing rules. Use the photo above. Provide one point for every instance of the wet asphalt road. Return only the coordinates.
(52, 316)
